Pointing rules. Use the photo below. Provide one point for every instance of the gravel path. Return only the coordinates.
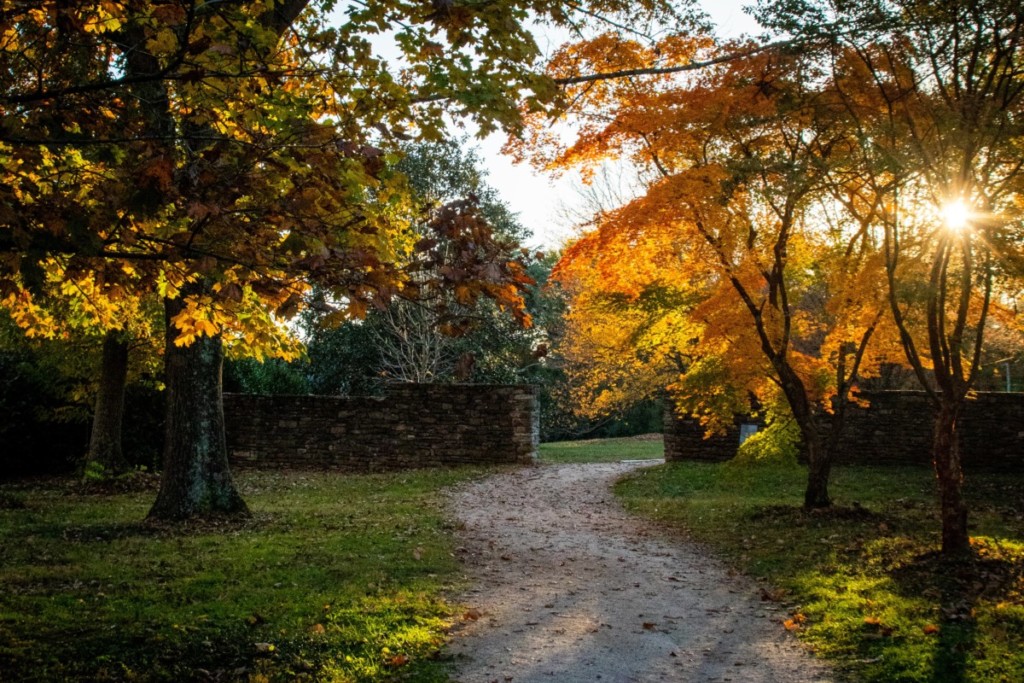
(568, 587)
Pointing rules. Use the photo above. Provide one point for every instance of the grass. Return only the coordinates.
(337, 578)
(603, 450)
(864, 583)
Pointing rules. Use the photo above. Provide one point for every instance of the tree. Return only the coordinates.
(234, 152)
(442, 335)
(935, 96)
(778, 287)
(74, 306)
(43, 401)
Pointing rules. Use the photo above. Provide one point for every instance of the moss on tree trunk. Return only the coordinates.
(196, 478)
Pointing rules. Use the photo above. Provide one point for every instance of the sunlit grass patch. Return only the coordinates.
(337, 578)
(646, 447)
(863, 582)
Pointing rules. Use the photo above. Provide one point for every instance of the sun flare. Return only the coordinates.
(956, 215)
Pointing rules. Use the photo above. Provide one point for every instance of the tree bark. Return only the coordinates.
(819, 460)
(108, 414)
(949, 473)
(196, 479)
(819, 467)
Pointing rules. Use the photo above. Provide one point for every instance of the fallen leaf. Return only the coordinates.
(773, 595)
(930, 629)
(472, 615)
(398, 660)
(649, 626)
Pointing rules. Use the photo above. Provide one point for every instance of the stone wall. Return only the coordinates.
(684, 438)
(893, 427)
(896, 427)
(413, 425)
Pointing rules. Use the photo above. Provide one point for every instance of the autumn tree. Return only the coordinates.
(935, 94)
(442, 335)
(235, 152)
(774, 285)
(436, 337)
(627, 331)
(75, 307)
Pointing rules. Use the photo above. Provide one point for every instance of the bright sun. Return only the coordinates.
(956, 215)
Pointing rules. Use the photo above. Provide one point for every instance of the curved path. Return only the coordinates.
(568, 587)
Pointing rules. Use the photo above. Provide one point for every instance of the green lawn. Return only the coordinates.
(337, 578)
(863, 582)
(603, 450)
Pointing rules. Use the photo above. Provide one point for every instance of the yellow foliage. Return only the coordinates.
(729, 269)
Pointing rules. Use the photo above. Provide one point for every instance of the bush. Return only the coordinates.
(42, 430)
(272, 376)
(777, 444)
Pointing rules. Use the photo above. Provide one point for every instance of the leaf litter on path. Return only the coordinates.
(568, 587)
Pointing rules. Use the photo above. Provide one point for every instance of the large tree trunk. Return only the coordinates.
(946, 454)
(108, 414)
(196, 479)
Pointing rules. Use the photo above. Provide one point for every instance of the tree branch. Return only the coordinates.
(681, 68)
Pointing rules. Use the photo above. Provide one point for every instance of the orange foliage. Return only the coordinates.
(732, 266)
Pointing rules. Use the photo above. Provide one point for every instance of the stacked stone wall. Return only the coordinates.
(411, 426)
(895, 427)
(685, 439)
(888, 427)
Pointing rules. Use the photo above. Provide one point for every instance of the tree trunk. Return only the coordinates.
(819, 460)
(946, 454)
(108, 414)
(819, 467)
(196, 479)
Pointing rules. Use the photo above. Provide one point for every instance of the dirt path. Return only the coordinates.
(571, 588)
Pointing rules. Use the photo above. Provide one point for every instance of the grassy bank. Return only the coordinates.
(645, 447)
(337, 578)
(864, 584)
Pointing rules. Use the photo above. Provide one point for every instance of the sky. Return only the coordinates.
(541, 199)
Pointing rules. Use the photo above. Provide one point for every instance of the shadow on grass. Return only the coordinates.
(958, 589)
(197, 652)
(800, 515)
(379, 638)
(959, 586)
(145, 528)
